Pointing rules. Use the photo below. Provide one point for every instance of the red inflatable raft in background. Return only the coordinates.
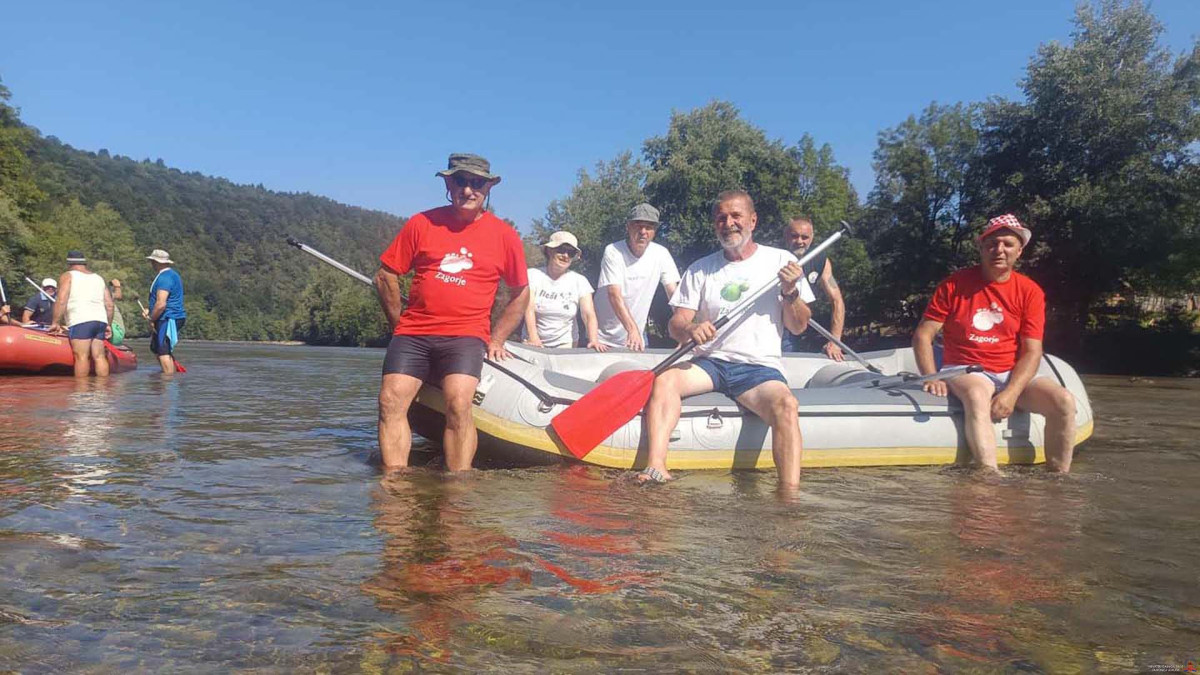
(25, 350)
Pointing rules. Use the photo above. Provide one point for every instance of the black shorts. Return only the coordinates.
(430, 358)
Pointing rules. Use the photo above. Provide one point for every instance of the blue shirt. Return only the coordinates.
(43, 309)
(169, 280)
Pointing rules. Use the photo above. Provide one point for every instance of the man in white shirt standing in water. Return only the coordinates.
(743, 361)
(629, 273)
(84, 299)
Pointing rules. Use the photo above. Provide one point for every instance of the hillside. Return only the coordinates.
(242, 280)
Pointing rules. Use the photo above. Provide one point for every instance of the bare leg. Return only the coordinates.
(975, 392)
(168, 363)
(460, 439)
(99, 357)
(774, 403)
(82, 351)
(396, 394)
(662, 412)
(1052, 401)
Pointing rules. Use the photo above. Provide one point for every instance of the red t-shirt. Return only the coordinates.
(984, 321)
(457, 269)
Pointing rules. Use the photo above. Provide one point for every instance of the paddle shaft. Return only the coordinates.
(324, 258)
(747, 302)
(3, 295)
(853, 354)
(952, 371)
(44, 293)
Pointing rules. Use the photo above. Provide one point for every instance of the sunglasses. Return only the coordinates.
(475, 182)
(569, 250)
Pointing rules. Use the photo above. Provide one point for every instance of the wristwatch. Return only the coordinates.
(791, 296)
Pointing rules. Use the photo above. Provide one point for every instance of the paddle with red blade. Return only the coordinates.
(606, 408)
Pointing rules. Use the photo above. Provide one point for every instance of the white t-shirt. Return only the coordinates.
(555, 304)
(713, 285)
(637, 279)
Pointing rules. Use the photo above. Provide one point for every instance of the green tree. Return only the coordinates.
(16, 171)
(826, 196)
(336, 310)
(919, 215)
(708, 150)
(595, 211)
(1101, 158)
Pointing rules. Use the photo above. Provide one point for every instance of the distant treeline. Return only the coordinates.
(1100, 158)
(242, 281)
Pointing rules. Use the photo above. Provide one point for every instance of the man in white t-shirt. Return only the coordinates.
(629, 274)
(743, 360)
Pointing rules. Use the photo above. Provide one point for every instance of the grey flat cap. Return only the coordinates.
(645, 213)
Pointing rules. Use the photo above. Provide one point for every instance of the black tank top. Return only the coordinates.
(813, 270)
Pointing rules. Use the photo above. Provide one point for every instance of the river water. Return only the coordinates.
(232, 517)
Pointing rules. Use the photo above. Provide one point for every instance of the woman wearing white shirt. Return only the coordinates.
(557, 295)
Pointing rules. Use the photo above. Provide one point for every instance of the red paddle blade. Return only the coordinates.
(178, 366)
(593, 418)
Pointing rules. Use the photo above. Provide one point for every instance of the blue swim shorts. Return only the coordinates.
(162, 342)
(88, 330)
(735, 379)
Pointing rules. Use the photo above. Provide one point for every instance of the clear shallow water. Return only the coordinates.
(233, 518)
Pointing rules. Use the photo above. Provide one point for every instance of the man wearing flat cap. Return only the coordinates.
(458, 254)
(630, 272)
(993, 316)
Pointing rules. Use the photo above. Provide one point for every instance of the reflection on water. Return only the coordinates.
(232, 518)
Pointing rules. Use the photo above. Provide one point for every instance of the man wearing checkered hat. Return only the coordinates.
(994, 317)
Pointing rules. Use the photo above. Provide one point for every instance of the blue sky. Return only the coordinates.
(362, 103)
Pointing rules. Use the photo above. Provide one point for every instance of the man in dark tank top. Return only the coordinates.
(797, 238)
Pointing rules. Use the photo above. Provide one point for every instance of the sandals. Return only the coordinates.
(651, 475)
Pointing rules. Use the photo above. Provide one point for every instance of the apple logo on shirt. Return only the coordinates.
(988, 317)
(453, 263)
(733, 290)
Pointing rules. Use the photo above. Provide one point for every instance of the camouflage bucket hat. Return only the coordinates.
(467, 163)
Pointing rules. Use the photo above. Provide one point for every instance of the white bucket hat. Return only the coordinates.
(160, 256)
(49, 282)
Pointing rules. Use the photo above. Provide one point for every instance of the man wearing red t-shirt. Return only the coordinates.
(458, 254)
(994, 317)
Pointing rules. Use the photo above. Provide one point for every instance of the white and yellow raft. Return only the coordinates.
(848, 415)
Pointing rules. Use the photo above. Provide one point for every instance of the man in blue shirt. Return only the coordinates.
(166, 313)
(40, 308)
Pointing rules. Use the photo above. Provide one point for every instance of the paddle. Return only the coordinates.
(608, 406)
(853, 354)
(321, 256)
(44, 293)
(178, 366)
(905, 379)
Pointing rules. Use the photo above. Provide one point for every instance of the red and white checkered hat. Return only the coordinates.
(1007, 222)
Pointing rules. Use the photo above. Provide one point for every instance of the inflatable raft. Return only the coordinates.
(33, 352)
(848, 415)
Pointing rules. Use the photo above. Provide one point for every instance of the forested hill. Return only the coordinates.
(228, 241)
